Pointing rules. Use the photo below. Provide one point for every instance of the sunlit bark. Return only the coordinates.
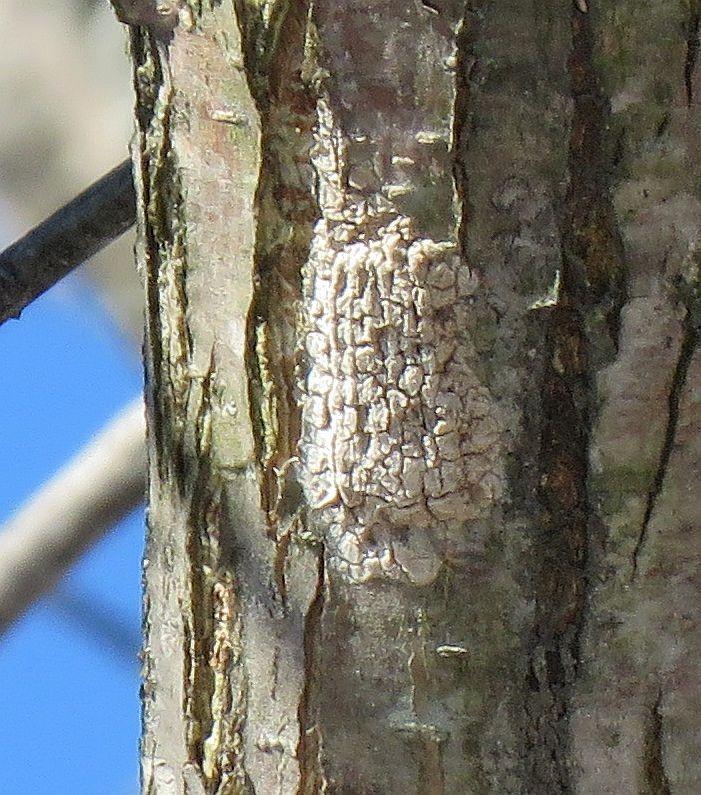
(423, 387)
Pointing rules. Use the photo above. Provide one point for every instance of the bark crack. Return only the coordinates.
(424, 731)
(311, 774)
(679, 376)
(692, 53)
(149, 86)
(583, 322)
(656, 780)
(287, 209)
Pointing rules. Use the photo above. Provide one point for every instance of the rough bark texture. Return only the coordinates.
(422, 285)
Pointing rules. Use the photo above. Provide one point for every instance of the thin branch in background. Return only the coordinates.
(99, 621)
(103, 483)
(84, 226)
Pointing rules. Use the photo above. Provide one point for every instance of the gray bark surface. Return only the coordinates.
(423, 396)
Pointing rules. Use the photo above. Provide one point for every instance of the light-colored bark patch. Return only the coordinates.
(400, 447)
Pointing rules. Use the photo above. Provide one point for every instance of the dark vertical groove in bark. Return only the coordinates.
(287, 111)
(692, 54)
(152, 344)
(556, 565)
(681, 370)
(163, 235)
(254, 44)
(199, 674)
(311, 775)
(465, 61)
(656, 781)
(594, 256)
(431, 774)
(562, 543)
(175, 461)
(583, 327)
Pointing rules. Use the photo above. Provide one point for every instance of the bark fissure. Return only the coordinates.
(162, 254)
(692, 51)
(594, 251)
(147, 65)
(681, 369)
(311, 773)
(213, 712)
(511, 171)
(583, 332)
(656, 781)
(287, 208)
(465, 61)
(182, 448)
(562, 547)
(198, 674)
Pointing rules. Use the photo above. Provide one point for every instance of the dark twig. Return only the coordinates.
(66, 239)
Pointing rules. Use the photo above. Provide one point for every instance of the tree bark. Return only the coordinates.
(423, 396)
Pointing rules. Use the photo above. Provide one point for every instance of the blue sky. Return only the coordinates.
(69, 671)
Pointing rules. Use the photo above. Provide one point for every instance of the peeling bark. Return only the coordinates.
(423, 386)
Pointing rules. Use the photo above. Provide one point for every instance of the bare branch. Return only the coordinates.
(66, 239)
(97, 488)
(99, 621)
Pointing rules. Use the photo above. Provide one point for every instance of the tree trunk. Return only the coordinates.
(424, 396)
